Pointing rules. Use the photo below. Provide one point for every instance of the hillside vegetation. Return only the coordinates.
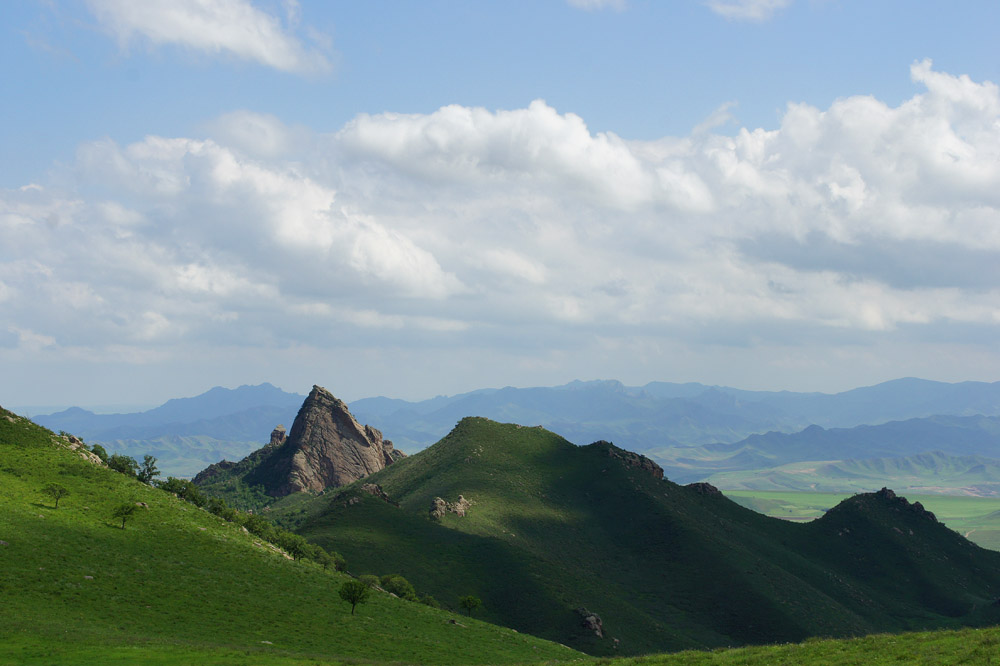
(554, 529)
(179, 585)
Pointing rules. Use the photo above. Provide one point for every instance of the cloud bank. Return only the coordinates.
(522, 235)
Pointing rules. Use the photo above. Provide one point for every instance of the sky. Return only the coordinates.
(412, 199)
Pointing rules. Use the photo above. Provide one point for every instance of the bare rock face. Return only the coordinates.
(326, 448)
(278, 436)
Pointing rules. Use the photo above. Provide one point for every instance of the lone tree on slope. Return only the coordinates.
(470, 603)
(354, 592)
(124, 511)
(56, 492)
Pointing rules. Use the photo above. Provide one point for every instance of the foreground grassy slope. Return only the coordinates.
(554, 527)
(968, 646)
(180, 585)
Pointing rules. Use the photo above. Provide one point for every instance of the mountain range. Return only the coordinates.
(188, 434)
(591, 547)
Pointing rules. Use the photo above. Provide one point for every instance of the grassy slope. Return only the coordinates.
(180, 585)
(976, 518)
(555, 527)
(967, 646)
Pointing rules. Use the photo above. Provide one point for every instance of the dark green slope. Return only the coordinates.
(180, 585)
(554, 527)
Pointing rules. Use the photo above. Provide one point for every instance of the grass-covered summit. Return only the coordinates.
(180, 585)
(554, 534)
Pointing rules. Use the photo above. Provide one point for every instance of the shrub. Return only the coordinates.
(399, 586)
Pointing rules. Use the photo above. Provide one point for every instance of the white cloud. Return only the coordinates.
(747, 10)
(233, 27)
(522, 230)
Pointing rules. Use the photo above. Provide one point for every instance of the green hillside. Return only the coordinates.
(976, 518)
(553, 528)
(967, 646)
(180, 585)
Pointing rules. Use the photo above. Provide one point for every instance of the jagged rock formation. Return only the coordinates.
(326, 448)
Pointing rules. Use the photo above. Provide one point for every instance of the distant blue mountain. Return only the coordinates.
(187, 434)
(654, 418)
(662, 414)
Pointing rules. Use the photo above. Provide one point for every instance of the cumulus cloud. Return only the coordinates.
(747, 10)
(521, 229)
(233, 27)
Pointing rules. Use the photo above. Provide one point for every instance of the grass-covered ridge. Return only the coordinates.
(180, 585)
(554, 528)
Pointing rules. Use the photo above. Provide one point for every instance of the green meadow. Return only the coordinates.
(976, 518)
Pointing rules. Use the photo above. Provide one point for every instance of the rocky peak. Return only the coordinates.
(631, 460)
(326, 448)
(278, 436)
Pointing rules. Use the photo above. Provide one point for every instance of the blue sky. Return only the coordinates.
(410, 199)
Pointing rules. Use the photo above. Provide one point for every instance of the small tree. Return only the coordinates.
(147, 471)
(470, 603)
(354, 592)
(100, 452)
(124, 511)
(369, 580)
(56, 492)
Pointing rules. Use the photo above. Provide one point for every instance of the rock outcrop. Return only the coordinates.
(631, 460)
(277, 436)
(326, 448)
(439, 507)
(591, 621)
(704, 488)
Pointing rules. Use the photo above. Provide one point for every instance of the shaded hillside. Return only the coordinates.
(180, 585)
(326, 448)
(951, 435)
(552, 528)
(932, 472)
